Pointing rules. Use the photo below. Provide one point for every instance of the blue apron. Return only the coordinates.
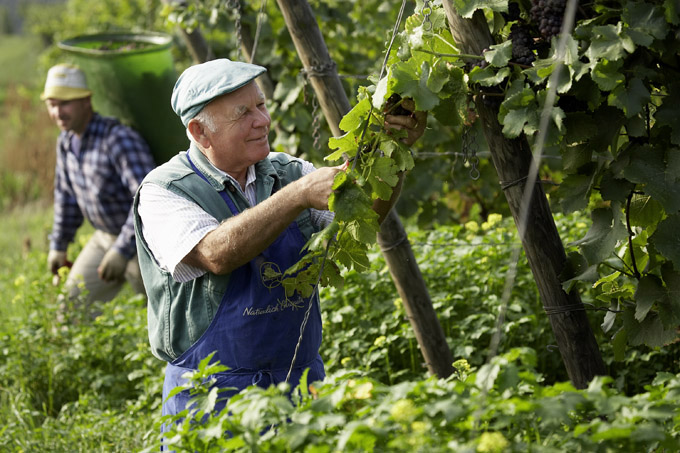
(255, 329)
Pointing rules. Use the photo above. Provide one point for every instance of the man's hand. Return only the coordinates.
(413, 124)
(113, 266)
(317, 186)
(55, 260)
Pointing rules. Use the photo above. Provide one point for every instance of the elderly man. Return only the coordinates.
(100, 164)
(209, 218)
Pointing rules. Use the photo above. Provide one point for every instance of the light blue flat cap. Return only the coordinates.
(199, 84)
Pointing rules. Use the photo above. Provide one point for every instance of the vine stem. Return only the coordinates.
(450, 55)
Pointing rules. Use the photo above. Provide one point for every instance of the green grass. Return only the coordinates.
(20, 53)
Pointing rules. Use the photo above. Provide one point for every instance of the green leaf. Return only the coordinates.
(645, 212)
(650, 332)
(630, 99)
(669, 308)
(607, 74)
(647, 20)
(619, 344)
(412, 81)
(615, 189)
(575, 157)
(345, 144)
(499, 54)
(607, 42)
(514, 121)
(602, 237)
(649, 290)
(667, 240)
(659, 171)
(577, 270)
(355, 117)
(466, 8)
(672, 11)
(574, 192)
(667, 114)
(487, 76)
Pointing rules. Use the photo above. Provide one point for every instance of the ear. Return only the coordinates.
(198, 132)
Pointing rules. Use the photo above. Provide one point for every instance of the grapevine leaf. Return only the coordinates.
(587, 90)
(607, 74)
(609, 318)
(667, 113)
(439, 77)
(499, 54)
(672, 9)
(351, 253)
(608, 43)
(349, 202)
(347, 143)
(318, 240)
(646, 20)
(355, 117)
(380, 92)
(466, 8)
(573, 192)
(613, 188)
(412, 81)
(649, 290)
(667, 240)
(650, 332)
(514, 121)
(383, 177)
(602, 237)
(659, 171)
(670, 307)
(580, 127)
(574, 157)
(401, 154)
(487, 76)
(630, 99)
(619, 344)
(645, 212)
(363, 231)
(577, 270)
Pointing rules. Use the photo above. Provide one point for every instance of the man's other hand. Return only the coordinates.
(55, 260)
(413, 124)
(113, 266)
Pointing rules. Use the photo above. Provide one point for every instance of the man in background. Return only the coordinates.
(99, 166)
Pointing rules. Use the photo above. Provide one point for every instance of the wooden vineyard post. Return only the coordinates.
(540, 239)
(392, 238)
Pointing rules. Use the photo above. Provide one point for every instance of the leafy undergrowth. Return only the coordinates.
(80, 384)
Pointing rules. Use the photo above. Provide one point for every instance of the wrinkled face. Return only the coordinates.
(240, 137)
(70, 115)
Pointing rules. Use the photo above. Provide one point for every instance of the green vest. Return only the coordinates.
(179, 313)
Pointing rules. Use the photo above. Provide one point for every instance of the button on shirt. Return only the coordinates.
(96, 178)
(161, 207)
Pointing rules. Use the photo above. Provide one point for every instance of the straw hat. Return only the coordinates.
(65, 82)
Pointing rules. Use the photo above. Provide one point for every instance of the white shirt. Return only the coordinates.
(173, 225)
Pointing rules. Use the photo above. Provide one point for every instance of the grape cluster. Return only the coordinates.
(477, 63)
(547, 15)
(513, 13)
(522, 44)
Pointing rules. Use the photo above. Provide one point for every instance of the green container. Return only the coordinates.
(131, 76)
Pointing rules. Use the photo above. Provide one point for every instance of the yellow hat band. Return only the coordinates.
(64, 93)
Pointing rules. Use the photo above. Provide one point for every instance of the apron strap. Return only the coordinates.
(223, 193)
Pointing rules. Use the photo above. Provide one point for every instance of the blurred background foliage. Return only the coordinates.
(439, 191)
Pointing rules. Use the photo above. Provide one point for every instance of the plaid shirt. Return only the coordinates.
(98, 182)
